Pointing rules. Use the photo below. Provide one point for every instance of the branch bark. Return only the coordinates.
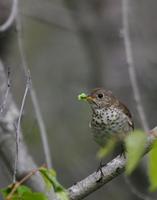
(25, 67)
(131, 64)
(8, 119)
(9, 21)
(113, 169)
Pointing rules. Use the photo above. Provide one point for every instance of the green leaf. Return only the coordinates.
(135, 146)
(49, 176)
(82, 96)
(32, 196)
(6, 191)
(23, 189)
(50, 179)
(152, 167)
(108, 148)
(63, 195)
(23, 193)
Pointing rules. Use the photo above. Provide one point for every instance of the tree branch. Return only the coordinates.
(8, 119)
(18, 127)
(33, 95)
(114, 168)
(11, 17)
(131, 64)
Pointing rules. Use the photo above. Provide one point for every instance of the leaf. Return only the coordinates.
(49, 176)
(33, 196)
(63, 195)
(23, 193)
(135, 146)
(23, 189)
(108, 148)
(82, 96)
(6, 191)
(152, 167)
(50, 179)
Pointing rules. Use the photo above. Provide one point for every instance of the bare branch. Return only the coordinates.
(8, 146)
(131, 65)
(114, 168)
(17, 128)
(24, 179)
(3, 105)
(11, 17)
(40, 121)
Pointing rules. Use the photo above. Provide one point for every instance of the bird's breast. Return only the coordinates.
(107, 117)
(107, 122)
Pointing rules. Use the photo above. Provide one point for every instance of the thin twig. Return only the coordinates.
(110, 171)
(17, 184)
(131, 65)
(7, 142)
(17, 128)
(40, 121)
(11, 17)
(3, 105)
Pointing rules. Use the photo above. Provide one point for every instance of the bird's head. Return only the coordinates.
(100, 98)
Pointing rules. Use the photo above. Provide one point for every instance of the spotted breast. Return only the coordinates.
(107, 122)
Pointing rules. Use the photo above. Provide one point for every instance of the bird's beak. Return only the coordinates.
(90, 98)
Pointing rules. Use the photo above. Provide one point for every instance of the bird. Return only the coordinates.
(110, 118)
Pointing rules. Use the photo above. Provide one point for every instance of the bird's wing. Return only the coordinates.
(128, 114)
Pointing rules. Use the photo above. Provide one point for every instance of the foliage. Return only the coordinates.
(135, 146)
(18, 191)
(152, 167)
(82, 96)
(108, 148)
(22, 193)
(50, 179)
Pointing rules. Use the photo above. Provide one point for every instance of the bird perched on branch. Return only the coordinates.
(110, 117)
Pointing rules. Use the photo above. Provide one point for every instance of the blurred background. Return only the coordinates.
(71, 47)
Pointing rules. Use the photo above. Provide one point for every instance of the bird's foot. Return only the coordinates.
(100, 169)
(123, 151)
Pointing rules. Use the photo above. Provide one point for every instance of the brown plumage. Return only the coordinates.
(110, 117)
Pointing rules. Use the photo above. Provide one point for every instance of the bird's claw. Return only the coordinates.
(100, 169)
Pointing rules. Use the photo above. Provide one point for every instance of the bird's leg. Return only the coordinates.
(100, 169)
(123, 150)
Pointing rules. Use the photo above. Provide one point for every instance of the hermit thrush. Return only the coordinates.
(110, 117)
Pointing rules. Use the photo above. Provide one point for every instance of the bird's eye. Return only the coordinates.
(100, 96)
